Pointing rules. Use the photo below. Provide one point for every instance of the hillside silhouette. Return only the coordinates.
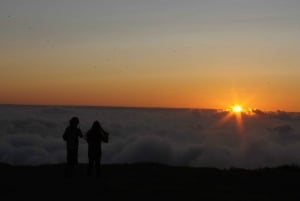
(148, 181)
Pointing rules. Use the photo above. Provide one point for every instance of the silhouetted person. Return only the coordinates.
(95, 136)
(71, 136)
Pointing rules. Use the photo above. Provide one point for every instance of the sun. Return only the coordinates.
(237, 109)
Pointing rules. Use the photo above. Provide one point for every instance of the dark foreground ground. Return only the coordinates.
(149, 182)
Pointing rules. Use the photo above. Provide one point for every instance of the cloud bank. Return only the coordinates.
(210, 138)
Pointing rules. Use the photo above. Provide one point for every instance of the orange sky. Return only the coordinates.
(195, 55)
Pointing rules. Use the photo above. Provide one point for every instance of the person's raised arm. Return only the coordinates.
(80, 133)
(105, 136)
(65, 135)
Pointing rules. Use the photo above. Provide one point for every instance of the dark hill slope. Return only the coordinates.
(149, 182)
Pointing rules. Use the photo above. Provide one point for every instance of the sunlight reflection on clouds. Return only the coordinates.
(33, 135)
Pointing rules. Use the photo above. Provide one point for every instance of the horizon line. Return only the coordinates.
(128, 107)
(107, 106)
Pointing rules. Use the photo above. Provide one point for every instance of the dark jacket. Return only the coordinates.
(71, 136)
(94, 138)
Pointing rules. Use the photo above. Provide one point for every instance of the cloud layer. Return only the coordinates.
(33, 135)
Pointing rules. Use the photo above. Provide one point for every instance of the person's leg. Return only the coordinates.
(75, 155)
(90, 166)
(98, 166)
(71, 161)
(68, 164)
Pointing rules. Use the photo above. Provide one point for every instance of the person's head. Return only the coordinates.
(74, 121)
(96, 125)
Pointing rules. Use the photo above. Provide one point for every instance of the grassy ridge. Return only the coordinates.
(150, 182)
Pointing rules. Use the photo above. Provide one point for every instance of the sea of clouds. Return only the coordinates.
(31, 135)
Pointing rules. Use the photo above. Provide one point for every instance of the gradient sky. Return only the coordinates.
(167, 53)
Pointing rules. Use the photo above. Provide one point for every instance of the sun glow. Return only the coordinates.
(239, 113)
(235, 112)
(237, 109)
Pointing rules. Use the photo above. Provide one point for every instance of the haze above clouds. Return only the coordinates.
(33, 135)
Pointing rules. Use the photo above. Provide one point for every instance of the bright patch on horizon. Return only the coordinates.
(237, 109)
(236, 112)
